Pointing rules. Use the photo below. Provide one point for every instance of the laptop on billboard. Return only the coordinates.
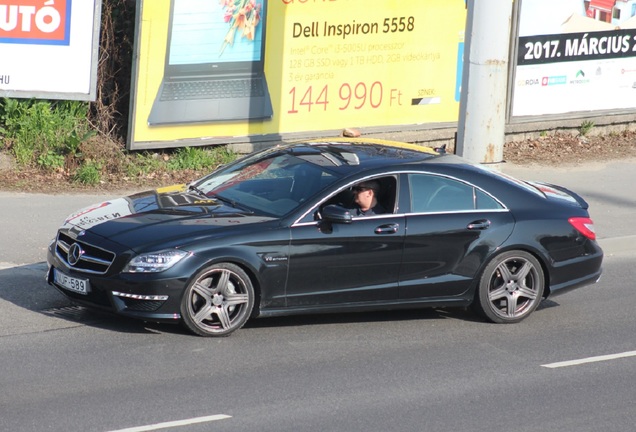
(214, 65)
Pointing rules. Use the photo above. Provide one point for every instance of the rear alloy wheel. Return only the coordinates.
(218, 301)
(510, 288)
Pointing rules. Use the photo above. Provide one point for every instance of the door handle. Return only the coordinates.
(387, 229)
(479, 225)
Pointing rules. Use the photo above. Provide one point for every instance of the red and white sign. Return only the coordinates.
(49, 48)
(35, 21)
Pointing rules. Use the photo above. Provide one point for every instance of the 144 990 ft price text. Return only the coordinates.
(354, 96)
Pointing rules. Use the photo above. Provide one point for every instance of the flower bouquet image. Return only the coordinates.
(243, 17)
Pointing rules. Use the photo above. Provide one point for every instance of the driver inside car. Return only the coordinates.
(365, 194)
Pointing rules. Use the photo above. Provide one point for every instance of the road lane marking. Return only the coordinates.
(590, 360)
(177, 423)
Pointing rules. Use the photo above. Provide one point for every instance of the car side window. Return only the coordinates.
(387, 197)
(430, 193)
(485, 201)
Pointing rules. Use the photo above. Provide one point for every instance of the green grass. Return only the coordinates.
(40, 131)
(51, 161)
(586, 127)
(89, 173)
(55, 137)
(197, 158)
(143, 164)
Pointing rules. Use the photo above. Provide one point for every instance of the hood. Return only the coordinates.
(159, 216)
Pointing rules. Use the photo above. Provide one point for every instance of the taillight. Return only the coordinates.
(584, 225)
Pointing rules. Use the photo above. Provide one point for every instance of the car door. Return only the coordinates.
(338, 263)
(452, 228)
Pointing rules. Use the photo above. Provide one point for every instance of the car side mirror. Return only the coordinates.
(336, 214)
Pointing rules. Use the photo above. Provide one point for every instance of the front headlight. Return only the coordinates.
(155, 262)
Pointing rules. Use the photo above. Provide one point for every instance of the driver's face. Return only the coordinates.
(364, 198)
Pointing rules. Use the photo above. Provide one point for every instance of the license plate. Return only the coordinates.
(70, 283)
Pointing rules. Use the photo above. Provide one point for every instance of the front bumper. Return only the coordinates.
(149, 296)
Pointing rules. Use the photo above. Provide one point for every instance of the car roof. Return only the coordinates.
(363, 154)
(355, 154)
(376, 143)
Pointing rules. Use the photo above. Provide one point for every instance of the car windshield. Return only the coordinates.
(273, 183)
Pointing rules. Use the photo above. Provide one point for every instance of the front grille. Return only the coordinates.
(93, 259)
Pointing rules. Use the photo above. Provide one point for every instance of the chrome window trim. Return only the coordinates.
(458, 212)
(504, 207)
(407, 215)
(313, 209)
(398, 173)
(356, 218)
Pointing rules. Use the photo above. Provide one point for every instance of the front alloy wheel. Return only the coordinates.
(218, 301)
(510, 288)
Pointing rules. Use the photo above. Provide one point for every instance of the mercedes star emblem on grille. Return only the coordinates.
(75, 252)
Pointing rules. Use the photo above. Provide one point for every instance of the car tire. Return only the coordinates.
(218, 300)
(510, 288)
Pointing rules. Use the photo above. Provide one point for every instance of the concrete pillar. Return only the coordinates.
(482, 117)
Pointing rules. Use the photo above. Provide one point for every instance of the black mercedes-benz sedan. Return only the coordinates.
(332, 225)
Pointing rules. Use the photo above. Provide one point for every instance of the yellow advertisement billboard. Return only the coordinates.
(215, 71)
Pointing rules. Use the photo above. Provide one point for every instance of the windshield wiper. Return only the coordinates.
(197, 190)
(232, 203)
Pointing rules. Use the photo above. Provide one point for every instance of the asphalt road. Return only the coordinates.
(29, 222)
(66, 369)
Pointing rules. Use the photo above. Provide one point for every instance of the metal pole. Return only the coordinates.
(482, 116)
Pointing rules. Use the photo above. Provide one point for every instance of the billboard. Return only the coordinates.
(213, 71)
(49, 48)
(575, 56)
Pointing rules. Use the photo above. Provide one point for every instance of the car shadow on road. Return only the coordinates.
(428, 314)
(111, 322)
(25, 286)
(116, 323)
(29, 304)
(465, 314)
